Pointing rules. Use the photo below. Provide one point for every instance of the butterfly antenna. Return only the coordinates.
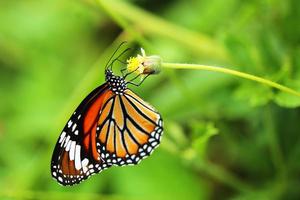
(117, 58)
(120, 45)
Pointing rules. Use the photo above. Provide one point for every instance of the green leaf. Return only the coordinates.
(254, 94)
(287, 100)
(201, 133)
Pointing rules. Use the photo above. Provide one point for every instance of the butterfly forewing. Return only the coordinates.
(76, 156)
(112, 126)
(129, 129)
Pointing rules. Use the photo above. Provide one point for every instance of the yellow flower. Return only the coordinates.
(142, 64)
(135, 64)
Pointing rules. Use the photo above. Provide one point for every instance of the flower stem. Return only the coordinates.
(232, 72)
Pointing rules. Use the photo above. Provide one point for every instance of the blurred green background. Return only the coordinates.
(225, 137)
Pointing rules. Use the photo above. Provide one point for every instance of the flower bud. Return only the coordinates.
(143, 64)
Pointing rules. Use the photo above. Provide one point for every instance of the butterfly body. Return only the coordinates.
(117, 84)
(111, 126)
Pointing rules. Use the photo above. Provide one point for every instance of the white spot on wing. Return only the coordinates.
(77, 157)
(143, 154)
(154, 143)
(85, 162)
(149, 149)
(72, 150)
(70, 123)
(68, 145)
(67, 140)
(74, 127)
(62, 142)
(62, 136)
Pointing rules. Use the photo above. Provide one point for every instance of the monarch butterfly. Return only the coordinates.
(111, 126)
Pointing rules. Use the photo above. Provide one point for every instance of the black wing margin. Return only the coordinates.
(75, 157)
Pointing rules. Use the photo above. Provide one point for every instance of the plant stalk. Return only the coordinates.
(234, 73)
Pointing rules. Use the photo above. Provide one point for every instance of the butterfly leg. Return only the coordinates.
(144, 78)
(131, 73)
(122, 70)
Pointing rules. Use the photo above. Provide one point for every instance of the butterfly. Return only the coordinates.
(112, 126)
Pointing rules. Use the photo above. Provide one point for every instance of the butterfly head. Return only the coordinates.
(117, 84)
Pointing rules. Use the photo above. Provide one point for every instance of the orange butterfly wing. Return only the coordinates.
(129, 129)
(76, 156)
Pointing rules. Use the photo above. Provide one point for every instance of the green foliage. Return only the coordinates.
(285, 100)
(202, 132)
(224, 137)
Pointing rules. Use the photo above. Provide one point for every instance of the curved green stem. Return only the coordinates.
(232, 72)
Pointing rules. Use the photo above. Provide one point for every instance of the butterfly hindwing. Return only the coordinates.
(76, 156)
(111, 126)
(129, 129)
